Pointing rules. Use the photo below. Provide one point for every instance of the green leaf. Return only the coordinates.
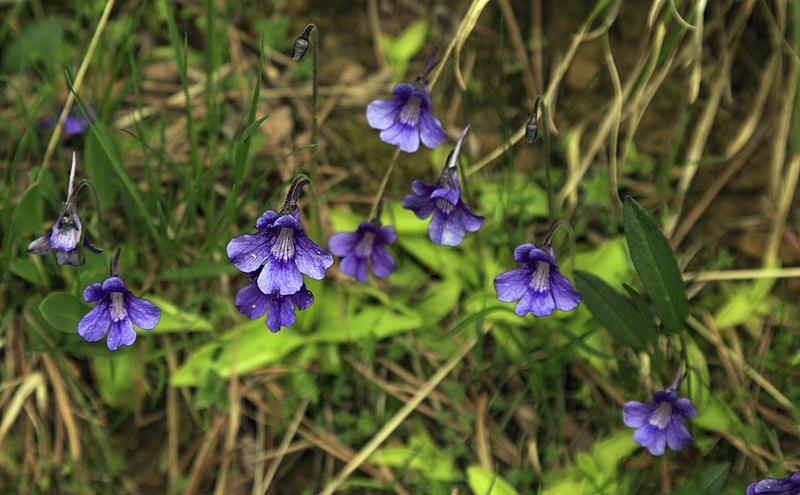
(97, 163)
(400, 50)
(484, 482)
(38, 41)
(656, 264)
(709, 482)
(63, 311)
(614, 311)
(174, 319)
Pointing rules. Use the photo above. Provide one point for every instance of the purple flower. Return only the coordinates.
(120, 309)
(288, 252)
(783, 486)
(281, 242)
(367, 243)
(407, 118)
(64, 236)
(74, 125)
(280, 309)
(538, 284)
(452, 218)
(658, 423)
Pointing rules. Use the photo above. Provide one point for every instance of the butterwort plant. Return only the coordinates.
(116, 308)
(451, 217)
(65, 237)
(367, 245)
(406, 118)
(781, 486)
(659, 423)
(538, 284)
(276, 257)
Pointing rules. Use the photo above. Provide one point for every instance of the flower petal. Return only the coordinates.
(685, 408)
(565, 297)
(636, 414)
(71, 258)
(678, 436)
(381, 114)
(41, 245)
(383, 263)
(247, 252)
(311, 259)
(303, 298)
(343, 243)
(94, 324)
(512, 284)
(280, 314)
(114, 284)
(528, 253)
(404, 136)
(251, 301)
(93, 292)
(651, 438)
(446, 229)
(469, 220)
(355, 266)
(430, 129)
(422, 206)
(387, 234)
(540, 303)
(122, 333)
(142, 312)
(281, 276)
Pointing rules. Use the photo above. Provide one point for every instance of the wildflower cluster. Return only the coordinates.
(117, 308)
(276, 257)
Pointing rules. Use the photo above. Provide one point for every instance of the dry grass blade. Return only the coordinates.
(464, 30)
(59, 389)
(284, 447)
(400, 416)
(34, 382)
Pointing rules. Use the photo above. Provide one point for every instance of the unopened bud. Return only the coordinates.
(532, 127)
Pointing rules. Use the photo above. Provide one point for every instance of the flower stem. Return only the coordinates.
(551, 208)
(114, 265)
(382, 188)
(294, 193)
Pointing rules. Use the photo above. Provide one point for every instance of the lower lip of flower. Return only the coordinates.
(541, 276)
(284, 245)
(364, 247)
(118, 310)
(409, 114)
(444, 206)
(661, 416)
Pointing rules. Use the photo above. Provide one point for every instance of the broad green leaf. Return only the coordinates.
(400, 50)
(422, 455)
(114, 373)
(38, 41)
(174, 319)
(97, 163)
(28, 216)
(26, 270)
(709, 482)
(656, 265)
(747, 302)
(63, 311)
(614, 312)
(484, 482)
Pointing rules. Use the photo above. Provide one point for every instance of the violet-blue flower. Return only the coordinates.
(118, 308)
(74, 125)
(282, 243)
(452, 217)
(367, 244)
(660, 422)
(538, 283)
(782, 486)
(280, 309)
(64, 236)
(406, 119)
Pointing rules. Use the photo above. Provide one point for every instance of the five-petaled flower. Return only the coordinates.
(288, 252)
(64, 236)
(659, 423)
(538, 283)
(280, 309)
(118, 308)
(782, 486)
(367, 243)
(452, 217)
(407, 118)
